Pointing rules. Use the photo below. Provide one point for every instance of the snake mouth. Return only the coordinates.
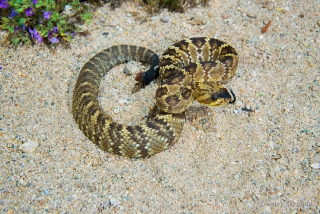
(232, 96)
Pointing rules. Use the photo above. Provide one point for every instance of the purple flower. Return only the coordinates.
(13, 13)
(31, 32)
(54, 39)
(29, 12)
(34, 1)
(47, 15)
(50, 34)
(55, 29)
(36, 35)
(72, 34)
(4, 4)
(51, 37)
(16, 28)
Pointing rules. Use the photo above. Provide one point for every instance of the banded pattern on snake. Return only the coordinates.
(192, 69)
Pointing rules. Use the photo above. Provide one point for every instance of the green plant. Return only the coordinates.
(86, 17)
(173, 5)
(39, 20)
(153, 6)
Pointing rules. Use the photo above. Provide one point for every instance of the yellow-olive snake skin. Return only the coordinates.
(194, 68)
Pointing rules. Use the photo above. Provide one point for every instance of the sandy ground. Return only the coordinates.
(260, 155)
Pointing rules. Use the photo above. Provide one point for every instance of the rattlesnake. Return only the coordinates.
(194, 68)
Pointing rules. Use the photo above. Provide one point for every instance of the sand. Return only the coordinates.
(260, 155)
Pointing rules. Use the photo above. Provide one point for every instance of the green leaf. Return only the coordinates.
(15, 41)
(51, 4)
(5, 20)
(86, 17)
(55, 16)
(62, 22)
(21, 8)
(26, 40)
(50, 25)
(10, 29)
(44, 33)
(22, 21)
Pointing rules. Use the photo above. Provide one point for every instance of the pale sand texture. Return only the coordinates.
(227, 160)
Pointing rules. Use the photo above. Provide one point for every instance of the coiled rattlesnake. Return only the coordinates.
(194, 68)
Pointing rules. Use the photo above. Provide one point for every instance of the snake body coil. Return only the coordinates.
(191, 69)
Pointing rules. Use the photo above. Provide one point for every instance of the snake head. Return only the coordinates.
(216, 96)
(223, 97)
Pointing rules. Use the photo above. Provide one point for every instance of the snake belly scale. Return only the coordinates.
(192, 69)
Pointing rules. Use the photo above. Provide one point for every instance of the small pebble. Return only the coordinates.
(248, 106)
(254, 39)
(116, 109)
(271, 145)
(10, 211)
(29, 146)
(95, 162)
(253, 73)
(123, 101)
(68, 11)
(218, 135)
(254, 149)
(164, 19)
(46, 192)
(315, 166)
(106, 204)
(114, 202)
(198, 19)
(230, 21)
(127, 71)
(225, 15)
(239, 104)
(237, 111)
(251, 15)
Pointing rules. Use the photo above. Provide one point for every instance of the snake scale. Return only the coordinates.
(192, 69)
